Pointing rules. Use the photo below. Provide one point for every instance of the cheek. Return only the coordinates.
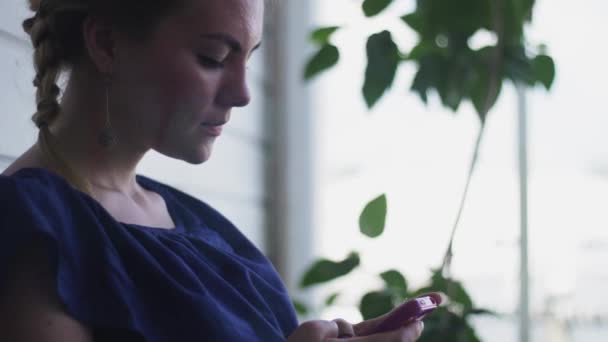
(186, 88)
(185, 94)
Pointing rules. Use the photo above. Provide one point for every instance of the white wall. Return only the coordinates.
(232, 181)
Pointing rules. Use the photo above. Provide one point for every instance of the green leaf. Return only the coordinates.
(321, 35)
(443, 325)
(324, 270)
(395, 282)
(422, 49)
(518, 67)
(300, 307)
(453, 289)
(374, 7)
(479, 311)
(482, 94)
(456, 19)
(331, 299)
(325, 58)
(414, 20)
(449, 88)
(544, 70)
(422, 82)
(376, 303)
(515, 15)
(383, 57)
(433, 68)
(373, 217)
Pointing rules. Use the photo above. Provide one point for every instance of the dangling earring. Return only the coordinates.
(107, 138)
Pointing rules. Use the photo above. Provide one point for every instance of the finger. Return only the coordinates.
(325, 329)
(410, 333)
(316, 330)
(363, 327)
(345, 329)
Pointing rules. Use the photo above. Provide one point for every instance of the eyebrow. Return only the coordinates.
(228, 40)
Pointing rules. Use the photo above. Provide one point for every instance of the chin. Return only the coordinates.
(195, 156)
(197, 161)
(199, 156)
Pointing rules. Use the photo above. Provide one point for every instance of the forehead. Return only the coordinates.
(243, 19)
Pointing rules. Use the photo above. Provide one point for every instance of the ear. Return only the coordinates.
(100, 43)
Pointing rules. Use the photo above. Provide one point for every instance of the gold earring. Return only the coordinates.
(107, 137)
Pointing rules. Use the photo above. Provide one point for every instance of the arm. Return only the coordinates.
(30, 308)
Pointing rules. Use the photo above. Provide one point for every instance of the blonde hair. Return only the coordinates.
(56, 34)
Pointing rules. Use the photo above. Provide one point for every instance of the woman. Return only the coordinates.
(90, 251)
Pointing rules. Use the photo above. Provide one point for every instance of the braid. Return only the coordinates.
(47, 63)
(56, 34)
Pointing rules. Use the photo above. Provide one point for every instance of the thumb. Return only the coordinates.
(316, 330)
(408, 333)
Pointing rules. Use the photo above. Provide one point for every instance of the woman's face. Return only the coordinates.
(177, 89)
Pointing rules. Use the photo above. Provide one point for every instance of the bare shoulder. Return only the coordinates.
(30, 308)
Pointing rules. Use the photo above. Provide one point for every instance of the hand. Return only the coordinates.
(341, 331)
(370, 326)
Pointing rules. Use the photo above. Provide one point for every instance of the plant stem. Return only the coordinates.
(493, 91)
(447, 260)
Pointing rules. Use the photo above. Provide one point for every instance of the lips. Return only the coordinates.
(213, 129)
(214, 123)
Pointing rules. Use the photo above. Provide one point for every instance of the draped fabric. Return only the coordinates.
(201, 281)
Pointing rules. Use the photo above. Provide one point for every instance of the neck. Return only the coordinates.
(75, 138)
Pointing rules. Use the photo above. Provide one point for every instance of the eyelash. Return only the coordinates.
(210, 63)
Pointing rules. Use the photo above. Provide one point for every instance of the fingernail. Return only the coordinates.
(419, 328)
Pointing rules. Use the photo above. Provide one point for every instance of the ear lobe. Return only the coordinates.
(100, 44)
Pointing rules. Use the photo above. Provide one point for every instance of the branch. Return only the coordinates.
(494, 86)
(448, 255)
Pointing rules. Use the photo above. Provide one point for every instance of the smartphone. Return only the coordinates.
(412, 310)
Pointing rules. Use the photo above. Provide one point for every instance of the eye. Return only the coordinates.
(210, 63)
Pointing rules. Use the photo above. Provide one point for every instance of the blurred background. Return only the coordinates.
(296, 168)
(419, 156)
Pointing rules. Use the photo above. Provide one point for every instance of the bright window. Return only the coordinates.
(419, 156)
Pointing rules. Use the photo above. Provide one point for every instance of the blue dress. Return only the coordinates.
(202, 281)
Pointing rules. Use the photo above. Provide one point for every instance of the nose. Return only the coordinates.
(235, 91)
